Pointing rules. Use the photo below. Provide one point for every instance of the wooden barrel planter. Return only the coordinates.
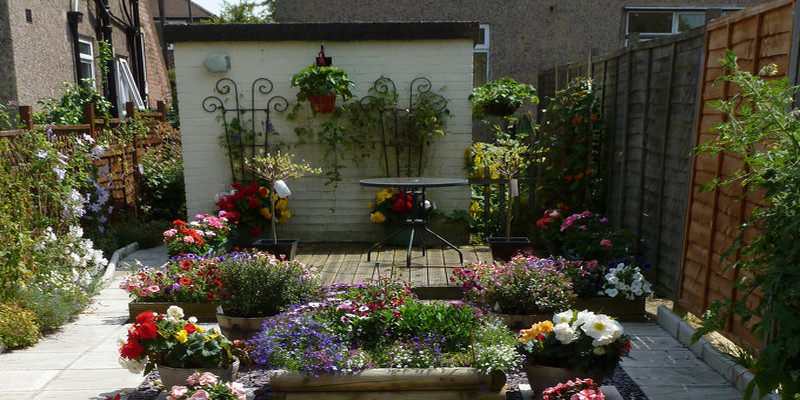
(390, 383)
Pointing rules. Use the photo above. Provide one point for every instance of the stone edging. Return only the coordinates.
(118, 255)
(737, 375)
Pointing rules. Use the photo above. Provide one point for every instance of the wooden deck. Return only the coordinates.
(347, 263)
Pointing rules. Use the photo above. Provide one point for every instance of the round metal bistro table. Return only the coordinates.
(417, 218)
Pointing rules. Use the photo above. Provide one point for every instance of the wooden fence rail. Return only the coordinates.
(123, 160)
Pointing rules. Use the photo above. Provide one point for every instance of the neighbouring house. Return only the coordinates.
(521, 38)
(175, 12)
(45, 43)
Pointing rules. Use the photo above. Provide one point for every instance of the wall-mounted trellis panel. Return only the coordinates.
(649, 98)
(759, 35)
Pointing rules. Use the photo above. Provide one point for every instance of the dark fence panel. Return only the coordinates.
(649, 98)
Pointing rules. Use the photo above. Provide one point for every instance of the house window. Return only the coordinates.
(480, 57)
(86, 66)
(649, 23)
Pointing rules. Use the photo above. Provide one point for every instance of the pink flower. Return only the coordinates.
(192, 379)
(153, 288)
(200, 395)
(588, 394)
(208, 378)
(188, 239)
(178, 391)
(235, 387)
(170, 233)
(606, 243)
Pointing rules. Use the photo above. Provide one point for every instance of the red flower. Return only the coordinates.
(255, 232)
(145, 316)
(186, 265)
(190, 328)
(185, 281)
(147, 330)
(178, 223)
(210, 297)
(253, 203)
(237, 186)
(131, 350)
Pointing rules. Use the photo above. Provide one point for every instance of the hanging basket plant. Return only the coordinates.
(320, 82)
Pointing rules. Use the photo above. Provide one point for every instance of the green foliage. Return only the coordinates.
(265, 286)
(501, 97)
(54, 300)
(570, 146)
(313, 80)
(245, 12)
(124, 229)
(68, 109)
(17, 326)
(163, 189)
(764, 130)
(8, 115)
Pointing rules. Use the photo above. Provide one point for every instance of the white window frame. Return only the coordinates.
(484, 48)
(676, 12)
(87, 58)
(126, 88)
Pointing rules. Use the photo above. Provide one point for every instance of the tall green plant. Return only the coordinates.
(68, 109)
(763, 128)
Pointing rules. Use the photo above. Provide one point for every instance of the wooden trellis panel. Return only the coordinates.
(759, 35)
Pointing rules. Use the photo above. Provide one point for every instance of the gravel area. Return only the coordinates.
(259, 379)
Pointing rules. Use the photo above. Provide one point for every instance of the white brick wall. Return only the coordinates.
(319, 212)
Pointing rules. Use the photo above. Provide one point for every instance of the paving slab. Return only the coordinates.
(18, 381)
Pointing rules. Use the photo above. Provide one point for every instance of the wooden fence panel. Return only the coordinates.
(649, 99)
(121, 160)
(760, 35)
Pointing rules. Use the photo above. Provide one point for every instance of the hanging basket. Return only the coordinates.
(322, 103)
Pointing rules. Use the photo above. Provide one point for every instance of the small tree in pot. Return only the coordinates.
(508, 157)
(274, 168)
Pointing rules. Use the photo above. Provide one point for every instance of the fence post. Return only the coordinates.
(26, 117)
(162, 111)
(88, 118)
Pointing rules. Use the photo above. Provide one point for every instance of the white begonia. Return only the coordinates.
(602, 329)
(134, 366)
(581, 319)
(192, 320)
(564, 316)
(564, 333)
(175, 312)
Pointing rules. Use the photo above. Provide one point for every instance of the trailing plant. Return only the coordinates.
(17, 326)
(501, 97)
(762, 127)
(571, 143)
(315, 80)
(68, 109)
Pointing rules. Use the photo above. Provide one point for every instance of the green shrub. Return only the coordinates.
(17, 326)
(55, 300)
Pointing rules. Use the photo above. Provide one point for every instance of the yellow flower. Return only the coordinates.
(369, 206)
(181, 336)
(286, 214)
(265, 212)
(383, 195)
(377, 217)
(281, 204)
(543, 327)
(199, 328)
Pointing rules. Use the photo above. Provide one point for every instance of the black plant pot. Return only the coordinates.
(503, 249)
(287, 247)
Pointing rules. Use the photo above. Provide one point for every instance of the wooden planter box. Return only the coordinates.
(619, 308)
(385, 383)
(205, 312)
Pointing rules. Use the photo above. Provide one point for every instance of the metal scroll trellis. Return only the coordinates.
(405, 132)
(246, 129)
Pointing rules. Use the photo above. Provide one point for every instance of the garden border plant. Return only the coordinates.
(763, 128)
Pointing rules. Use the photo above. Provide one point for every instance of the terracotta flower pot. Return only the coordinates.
(322, 103)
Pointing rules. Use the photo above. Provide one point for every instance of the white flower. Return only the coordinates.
(192, 320)
(564, 333)
(563, 317)
(175, 312)
(602, 329)
(134, 366)
(581, 319)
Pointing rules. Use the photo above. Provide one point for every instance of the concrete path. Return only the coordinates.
(79, 362)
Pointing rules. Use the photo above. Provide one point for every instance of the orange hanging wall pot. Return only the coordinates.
(322, 103)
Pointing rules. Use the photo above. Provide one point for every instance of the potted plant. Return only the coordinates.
(203, 236)
(247, 208)
(508, 157)
(190, 281)
(259, 286)
(577, 387)
(377, 336)
(521, 292)
(320, 85)
(207, 386)
(574, 344)
(501, 97)
(274, 168)
(176, 347)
